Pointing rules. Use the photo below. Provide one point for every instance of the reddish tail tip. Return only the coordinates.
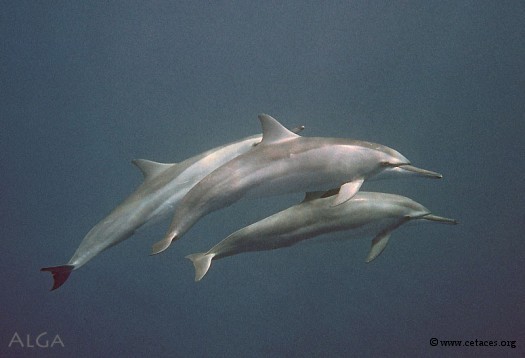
(60, 274)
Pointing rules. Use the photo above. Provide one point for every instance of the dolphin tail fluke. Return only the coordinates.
(60, 274)
(440, 219)
(202, 262)
(162, 245)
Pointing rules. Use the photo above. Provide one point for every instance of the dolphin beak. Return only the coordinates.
(440, 219)
(419, 172)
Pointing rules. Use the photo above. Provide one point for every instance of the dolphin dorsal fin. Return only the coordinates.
(312, 195)
(151, 169)
(273, 131)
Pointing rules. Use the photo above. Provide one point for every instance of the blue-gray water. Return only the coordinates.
(88, 86)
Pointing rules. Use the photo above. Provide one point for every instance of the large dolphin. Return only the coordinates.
(163, 187)
(366, 214)
(285, 162)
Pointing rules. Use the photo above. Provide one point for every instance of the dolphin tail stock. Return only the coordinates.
(440, 219)
(201, 262)
(60, 274)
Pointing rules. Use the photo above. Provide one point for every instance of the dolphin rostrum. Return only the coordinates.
(285, 162)
(366, 214)
(163, 187)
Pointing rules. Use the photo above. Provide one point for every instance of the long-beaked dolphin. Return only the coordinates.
(366, 214)
(285, 162)
(163, 187)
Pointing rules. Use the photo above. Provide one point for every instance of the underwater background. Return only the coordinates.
(87, 86)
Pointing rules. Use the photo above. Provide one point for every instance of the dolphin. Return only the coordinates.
(285, 162)
(366, 214)
(165, 184)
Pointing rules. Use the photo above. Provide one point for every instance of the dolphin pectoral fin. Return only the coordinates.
(201, 262)
(347, 191)
(378, 245)
(60, 274)
(162, 245)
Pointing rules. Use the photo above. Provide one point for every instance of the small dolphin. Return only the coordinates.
(163, 187)
(366, 214)
(285, 162)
